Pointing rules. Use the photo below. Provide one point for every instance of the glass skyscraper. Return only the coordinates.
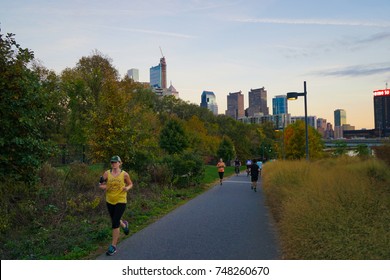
(208, 101)
(340, 117)
(158, 75)
(279, 105)
(155, 76)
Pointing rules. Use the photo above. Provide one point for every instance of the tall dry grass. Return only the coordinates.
(330, 209)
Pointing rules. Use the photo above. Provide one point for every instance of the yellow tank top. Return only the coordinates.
(115, 184)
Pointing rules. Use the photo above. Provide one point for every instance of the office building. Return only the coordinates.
(324, 128)
(280, 121)
(340, 117)
(321, 126)
(382, 112)
(279, 105)
(235, 105)
(158, 75)
(208, 101)
(311, 120)
(133, 74)
(257, 102)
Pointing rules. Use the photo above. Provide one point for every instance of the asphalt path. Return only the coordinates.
(228, 222)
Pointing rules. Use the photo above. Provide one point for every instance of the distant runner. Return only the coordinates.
(221, 169)
(254, 175)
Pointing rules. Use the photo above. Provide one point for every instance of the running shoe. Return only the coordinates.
(111, 250)
(126, 228)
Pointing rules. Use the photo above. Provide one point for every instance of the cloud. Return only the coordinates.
(148, 31)
(154, 32)
(356, 70)
(375, 37)
(315, 22)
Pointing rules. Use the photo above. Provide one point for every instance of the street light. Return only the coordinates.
(294, 96)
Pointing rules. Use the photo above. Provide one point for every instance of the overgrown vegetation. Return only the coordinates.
(330, 209)
(65, 216)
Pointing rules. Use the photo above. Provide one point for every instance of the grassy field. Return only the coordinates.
(330, 209)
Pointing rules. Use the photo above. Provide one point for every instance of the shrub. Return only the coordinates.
(383, 153)
(186, 168)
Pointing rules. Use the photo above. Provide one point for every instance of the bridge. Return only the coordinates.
(352, 143)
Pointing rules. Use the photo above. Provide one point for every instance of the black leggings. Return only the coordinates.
(116, 211)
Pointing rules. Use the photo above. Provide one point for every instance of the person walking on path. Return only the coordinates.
(116, 183)
(254, 175)
(237, 164)
(221, 170)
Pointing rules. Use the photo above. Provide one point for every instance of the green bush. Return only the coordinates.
(186, 169)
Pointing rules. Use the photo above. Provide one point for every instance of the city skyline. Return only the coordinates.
(341, 48)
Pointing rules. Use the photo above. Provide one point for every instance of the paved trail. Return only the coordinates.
(228, 222)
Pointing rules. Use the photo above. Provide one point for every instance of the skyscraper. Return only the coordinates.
(208, 101)
(279, 105)
(235, 105)
(133, 74)
(340, 117)
(158, 75)
(257, 102)
(382, 111)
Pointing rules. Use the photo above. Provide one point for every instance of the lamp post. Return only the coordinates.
(294, 96)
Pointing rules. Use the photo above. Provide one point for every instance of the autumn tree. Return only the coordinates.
(85, 85)
(200, 140)
(124, 126)
(295, 141)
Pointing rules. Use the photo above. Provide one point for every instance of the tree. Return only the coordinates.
(341, 148)
(173, 138)
(295, 141)
(24, 110)
(85, 84)
(362, 151)
(226, 149)
(57, 102)
(123, 125)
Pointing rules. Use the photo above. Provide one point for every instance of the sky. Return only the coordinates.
(341, 48)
